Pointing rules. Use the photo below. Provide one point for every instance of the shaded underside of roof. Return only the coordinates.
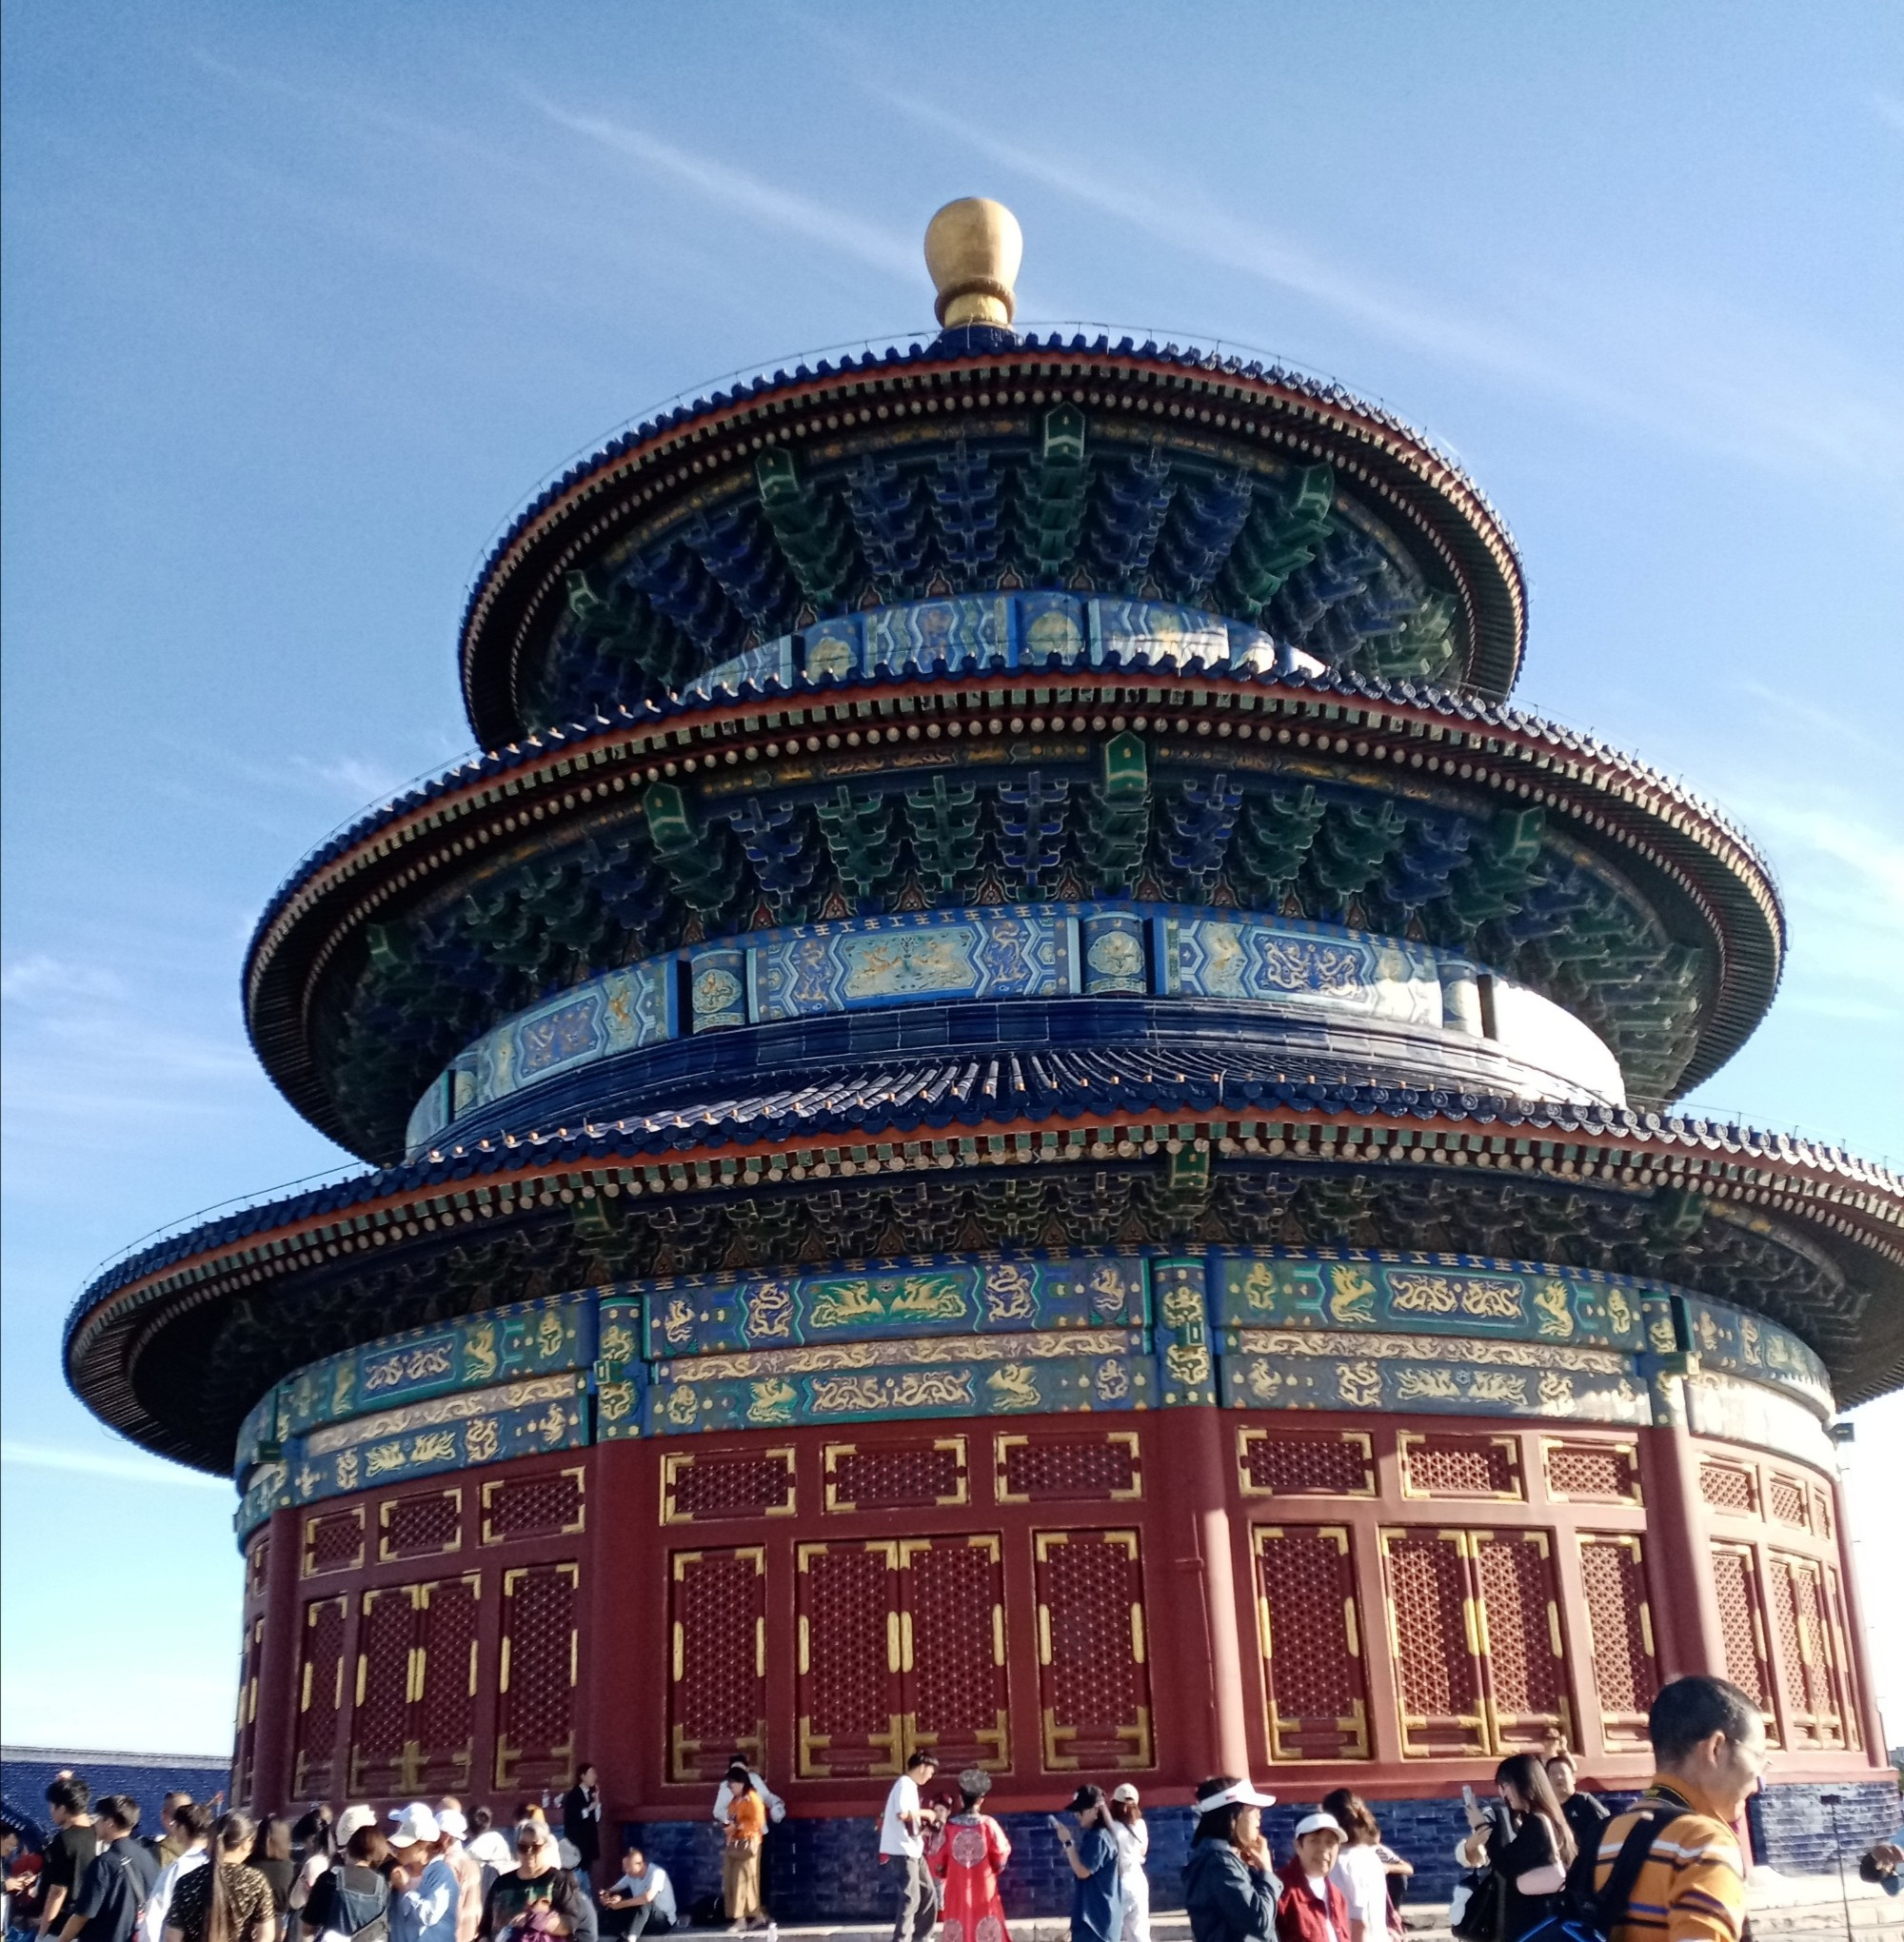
(176, 1344)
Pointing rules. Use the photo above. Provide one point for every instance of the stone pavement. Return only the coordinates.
(1782, 1905)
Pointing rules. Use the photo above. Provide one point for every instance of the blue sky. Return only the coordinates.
(300, 303)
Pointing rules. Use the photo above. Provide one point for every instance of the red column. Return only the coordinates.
(1855, 1635)
(622, 1641)
(1690, 1638)
(277, 1669)
(1209, 1732)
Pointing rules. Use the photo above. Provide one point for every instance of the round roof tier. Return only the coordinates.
(817, 791)
(979, 463)
(1070, 1148)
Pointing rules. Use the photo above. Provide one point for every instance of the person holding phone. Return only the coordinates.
(1530, 1845)
(1097, 1899)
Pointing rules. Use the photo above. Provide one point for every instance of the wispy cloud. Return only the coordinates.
(1703, 373)
(764, 203)
(106, 1464)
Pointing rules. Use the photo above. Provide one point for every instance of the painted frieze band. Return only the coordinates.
(1283, 965)
(1004, 632)
(1031, 1332)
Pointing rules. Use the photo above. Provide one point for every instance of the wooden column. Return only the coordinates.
(1209, 1732)
(1684, 1604)
(277, 1669)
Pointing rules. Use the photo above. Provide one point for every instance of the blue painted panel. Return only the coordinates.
(825, 1386)
(1253, 958)
(699, 1314)
(1114, 958)
(973, 630)
(1425, 1294)
(449, 1433)
(1148, 632)
(934, 955)
(833, 647)
(1051, 631)
(717, 985)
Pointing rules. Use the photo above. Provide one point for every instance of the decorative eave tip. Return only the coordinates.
(973, 248)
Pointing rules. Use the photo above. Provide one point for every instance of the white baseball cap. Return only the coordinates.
(418, 1824)
(452, 1823)
(1123, 1791)
(1318, 1824)
(351, 1820)
(1239, 1794)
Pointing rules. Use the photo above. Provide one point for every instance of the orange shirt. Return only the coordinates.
(746, 1817)
(1692, 1886)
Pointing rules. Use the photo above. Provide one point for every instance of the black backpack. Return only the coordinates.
(1590, 1915)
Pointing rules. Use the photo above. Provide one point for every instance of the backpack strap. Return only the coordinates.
(1610, 1905)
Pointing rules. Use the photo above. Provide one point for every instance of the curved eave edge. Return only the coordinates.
(1495, 655)
(1699, 1156)
(1743, 883)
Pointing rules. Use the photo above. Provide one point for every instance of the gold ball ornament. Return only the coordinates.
(973, 248)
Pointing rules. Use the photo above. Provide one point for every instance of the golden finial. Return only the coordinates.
(973, 248)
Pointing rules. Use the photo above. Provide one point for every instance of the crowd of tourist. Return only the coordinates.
(1542, 1850)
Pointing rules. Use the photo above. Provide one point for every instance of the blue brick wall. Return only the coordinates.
(26, 1773)
(1792, 1826)
(829, 1871)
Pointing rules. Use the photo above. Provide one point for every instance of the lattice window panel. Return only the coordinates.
(1613, 1580)
(750, 1483)
(952, 1651)
(381, 1753)
(717, 1693)
(1435, 1465)
(257, 1565)
(1844, 1660)
(1094, 1678)
(333, 1540)
(895, 1476)
(1305, 1463)
(1591, 1473)
(1822, 1520)
(245, 1724)
(1069, 1468)
(1808, 1658)
(1524, 1664)
(320, 1700)
(547, 1505)
(1433, 1642)
(535, 1725)
(443, 1708)
(1729, 1487)
(1743, 1628)
(425, 1525)
(1788, 1500)
(850, 1701)
(1310, 1632)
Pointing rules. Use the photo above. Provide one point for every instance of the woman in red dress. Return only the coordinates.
(967, 1865)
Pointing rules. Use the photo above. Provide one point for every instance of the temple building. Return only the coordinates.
(1016, 1112)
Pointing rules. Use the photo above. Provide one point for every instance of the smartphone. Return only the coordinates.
(1468, 1796)
(1056, 1825)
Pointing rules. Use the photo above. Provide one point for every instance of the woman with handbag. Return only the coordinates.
(1528, 1847)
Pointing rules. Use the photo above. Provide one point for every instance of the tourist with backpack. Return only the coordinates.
(351, 1900)
(1674, 1852)
(117, 1879)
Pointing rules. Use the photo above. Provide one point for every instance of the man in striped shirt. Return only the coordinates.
(1707, 1752)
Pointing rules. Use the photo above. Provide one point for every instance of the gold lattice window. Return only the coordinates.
(704, 1487)
(1301, 1463)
